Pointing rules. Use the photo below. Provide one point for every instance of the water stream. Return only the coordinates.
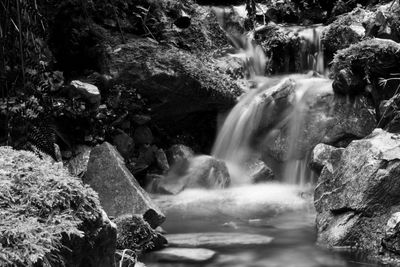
(283, 211)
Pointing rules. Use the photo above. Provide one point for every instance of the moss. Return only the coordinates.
(134, 233)
(342, 33)
(367, 61)
(41, 204)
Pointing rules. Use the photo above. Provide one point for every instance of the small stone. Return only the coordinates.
(87, 91)
(217, 240)
(192, 255)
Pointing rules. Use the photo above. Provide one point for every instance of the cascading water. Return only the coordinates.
(233, 143)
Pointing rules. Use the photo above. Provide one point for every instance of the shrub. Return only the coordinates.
(41, 205)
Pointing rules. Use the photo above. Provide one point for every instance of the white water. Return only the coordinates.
(233, 143)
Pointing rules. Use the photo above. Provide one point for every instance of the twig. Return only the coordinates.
(20, 42)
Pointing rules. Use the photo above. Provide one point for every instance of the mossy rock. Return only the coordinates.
(281, 47)
(366, 63)
(49, 218)
(344, 31)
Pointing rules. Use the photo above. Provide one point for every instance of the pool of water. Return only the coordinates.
(284, 213)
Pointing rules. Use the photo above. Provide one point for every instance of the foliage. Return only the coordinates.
(134, 233)
(40, 205)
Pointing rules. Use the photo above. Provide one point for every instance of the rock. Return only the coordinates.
(143, 135)
(344, 31)
(124, 144)
(217, 240)
(77, 165)
(38, 221)
(161, 160)
(260, 172)
(118, 190)
(192, 255)
(380, 57)
(179, 154)
(321, 117)
(87, 91)
(325, 156)
(355, 200)
(134, 233)
(202, 172)
(181, 90)
(392, 234)
(390, 116)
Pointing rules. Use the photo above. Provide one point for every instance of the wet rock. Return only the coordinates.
(143, 135)
(77, 165)
(260, 172)
(118, 190)
(123, 143)
(217, 240)
(179, 154)
(325, 156)
(392, 234)
(324, 117)
(161, 160)
(355, 201)
(202, 172)
(87, 91)
(196, 255)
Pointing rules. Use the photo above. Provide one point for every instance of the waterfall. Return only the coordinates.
(234, 140)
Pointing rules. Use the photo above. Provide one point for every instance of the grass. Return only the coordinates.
(41, 204)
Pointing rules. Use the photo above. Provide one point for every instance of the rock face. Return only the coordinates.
(358, 195)
(202, 172)
(118, 190)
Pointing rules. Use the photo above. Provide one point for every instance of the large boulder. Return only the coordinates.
(48, 217)
(356, 198)
(175, 82)
(201, 172)
(118, 190)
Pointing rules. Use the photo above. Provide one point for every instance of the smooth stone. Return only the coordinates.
(216, 240)
(194, 255)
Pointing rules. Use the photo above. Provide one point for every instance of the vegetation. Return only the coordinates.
(41, 205)
(134, 233)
